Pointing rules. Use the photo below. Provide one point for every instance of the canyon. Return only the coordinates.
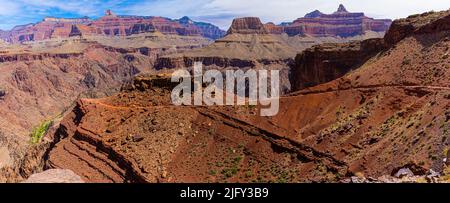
(357, 105)
(40, 81)
(108, 25)
(388, 113)
(251, 44)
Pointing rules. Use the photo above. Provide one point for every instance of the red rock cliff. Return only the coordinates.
(109, 25)
(247, 25)
(324, 63)
(417, 24)
(341, 23)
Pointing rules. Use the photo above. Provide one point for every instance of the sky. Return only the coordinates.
(219, 12)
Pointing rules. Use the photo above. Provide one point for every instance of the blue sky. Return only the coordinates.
(219, 12)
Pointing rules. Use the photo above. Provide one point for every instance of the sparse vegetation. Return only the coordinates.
(212, 172)
(248, 174)
(39, 131)
(211, 131)
(339, 111)
(406, 61)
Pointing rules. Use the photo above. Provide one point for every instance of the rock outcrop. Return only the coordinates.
(327, 62)
(418, 24)
(83, 31)
(246, 45)
(207, 30)
(274, 29)
(247, 25)
(339, 24)
(55, 176)
(48, 28)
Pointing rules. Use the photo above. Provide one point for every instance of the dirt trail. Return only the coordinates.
(309, 91)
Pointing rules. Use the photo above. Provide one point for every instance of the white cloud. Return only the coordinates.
(9, 8)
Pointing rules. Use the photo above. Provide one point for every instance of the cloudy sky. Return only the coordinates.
(219, 12)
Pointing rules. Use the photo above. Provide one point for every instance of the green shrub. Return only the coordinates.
(39, 131)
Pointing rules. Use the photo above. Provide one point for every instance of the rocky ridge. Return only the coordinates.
(338, 24)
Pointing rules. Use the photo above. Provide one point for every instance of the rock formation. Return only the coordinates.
(48, 28)
(316, 24)
(420, 23)
(55, 176)
(326, 62)
(109, 25)
(248, 25)
(247, 40)
(207, 30)
(339, 24)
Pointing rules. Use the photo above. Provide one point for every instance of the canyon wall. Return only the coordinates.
(109, 25)
(39, 82)
(339, 24)
(326, 62)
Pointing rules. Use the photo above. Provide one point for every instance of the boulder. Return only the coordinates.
(55, 176)
(404, 172)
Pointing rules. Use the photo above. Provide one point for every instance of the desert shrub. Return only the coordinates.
(39, 131)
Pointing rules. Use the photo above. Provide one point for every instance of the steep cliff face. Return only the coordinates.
(274, 29)
(247, 25)
(109, 25)
(48, 28)
(207, 30)
(326, 62)
(114, 25)
(418, 24)
(84, 30)
(339, 24)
